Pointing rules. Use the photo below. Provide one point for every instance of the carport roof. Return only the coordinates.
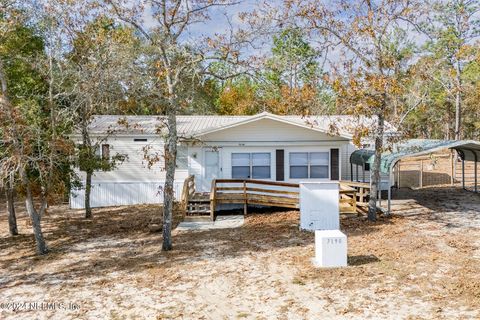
(468, 150)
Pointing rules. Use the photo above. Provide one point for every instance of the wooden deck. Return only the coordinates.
(353, 195)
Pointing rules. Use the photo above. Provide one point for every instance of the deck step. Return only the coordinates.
(197, 219)
(199, 201)
(198, 206)
(198, 211)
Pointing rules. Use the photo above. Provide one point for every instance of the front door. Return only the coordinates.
(212, 168)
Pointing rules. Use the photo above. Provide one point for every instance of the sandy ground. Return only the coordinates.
(424, 263)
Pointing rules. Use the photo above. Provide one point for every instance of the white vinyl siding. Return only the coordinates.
(123, 193)
(270, 130)
(132, 181)
(182, 158)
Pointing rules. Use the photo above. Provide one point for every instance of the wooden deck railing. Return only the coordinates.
(362, 194)
(188, 190)
(353, 195)
(256, 192)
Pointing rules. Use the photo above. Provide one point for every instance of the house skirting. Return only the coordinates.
(107, 194)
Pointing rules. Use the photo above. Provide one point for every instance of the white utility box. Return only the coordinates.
(319, 205)
(330, 249)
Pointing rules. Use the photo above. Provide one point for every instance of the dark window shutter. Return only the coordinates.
(334, 164)
(280, 165)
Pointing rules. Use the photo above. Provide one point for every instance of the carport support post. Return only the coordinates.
(475, 171)
(398, 174)
(351, 170)
(421, 174)
(452, 169)
(463, 174)
(390, 176)
(357, 173)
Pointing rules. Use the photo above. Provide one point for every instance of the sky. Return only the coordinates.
(218, 23)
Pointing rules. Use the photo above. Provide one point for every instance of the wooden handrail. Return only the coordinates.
(354, 184)
(254, 181)
(188, 190)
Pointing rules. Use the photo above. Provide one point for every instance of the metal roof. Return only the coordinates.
(150, 125)
(468, 149)
(189, 126)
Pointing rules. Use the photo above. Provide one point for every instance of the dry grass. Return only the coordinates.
(421, 264)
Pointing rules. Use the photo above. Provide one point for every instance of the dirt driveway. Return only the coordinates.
(424, 263)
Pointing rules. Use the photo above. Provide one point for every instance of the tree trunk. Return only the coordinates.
(458, 101)
(12, 219)
(34, 215)
(89, 172)
(37, 232)
(168, 194)
(35, 218)
(88, 190)
(4, 102)
(375, 183)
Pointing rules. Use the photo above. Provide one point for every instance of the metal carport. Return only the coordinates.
(468, 150)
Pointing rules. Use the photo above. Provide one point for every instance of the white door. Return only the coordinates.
(212, 168)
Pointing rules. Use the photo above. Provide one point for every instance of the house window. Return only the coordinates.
(251, 165)
(140, 140)
(313, 165)
(261, 165)
(240, 165)
(105, 151)
(319, 165)
(299, 165)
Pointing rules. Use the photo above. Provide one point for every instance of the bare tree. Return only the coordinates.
(452, 27)
(18, 159)
(175, 57)
(364, 74)
(35, 149)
